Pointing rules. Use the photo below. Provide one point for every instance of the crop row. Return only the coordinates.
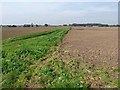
(21, 55)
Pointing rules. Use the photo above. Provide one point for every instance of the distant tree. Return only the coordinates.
(64, 24)
(13, 26)
(74, 24)
(8, 25)
(118, 25)
(46, 25)
(37, 25)
(104, 25)
(26, 25)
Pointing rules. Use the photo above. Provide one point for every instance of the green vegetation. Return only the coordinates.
(25, 63)
(30, 61)
(58, 74)
(116, 70)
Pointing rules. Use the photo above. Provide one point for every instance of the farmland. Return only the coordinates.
(96, 48)
(22, 55)
(85, 57)
(20, 31)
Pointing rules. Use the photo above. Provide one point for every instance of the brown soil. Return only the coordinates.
(94, 47)
(93, 44)
(8, 32)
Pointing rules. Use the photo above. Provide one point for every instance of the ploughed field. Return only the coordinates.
(96, 45)
(60, 57)
(8, 32)
(96, 48)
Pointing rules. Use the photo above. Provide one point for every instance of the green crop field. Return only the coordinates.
(40, 61)
(22, 59)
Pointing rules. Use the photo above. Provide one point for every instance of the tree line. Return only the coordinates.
(25, 25)
(74, 24)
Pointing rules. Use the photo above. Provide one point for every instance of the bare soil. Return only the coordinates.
(96, 48)
(93, 44)
(8, 32)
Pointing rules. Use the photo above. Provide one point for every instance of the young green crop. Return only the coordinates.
(26, 63)
(20, 53)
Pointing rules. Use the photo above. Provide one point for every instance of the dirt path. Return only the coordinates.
(94, 47)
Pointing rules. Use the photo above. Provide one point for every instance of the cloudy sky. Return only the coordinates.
(59, 12)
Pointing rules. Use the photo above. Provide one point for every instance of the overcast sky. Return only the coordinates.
(59, 12)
